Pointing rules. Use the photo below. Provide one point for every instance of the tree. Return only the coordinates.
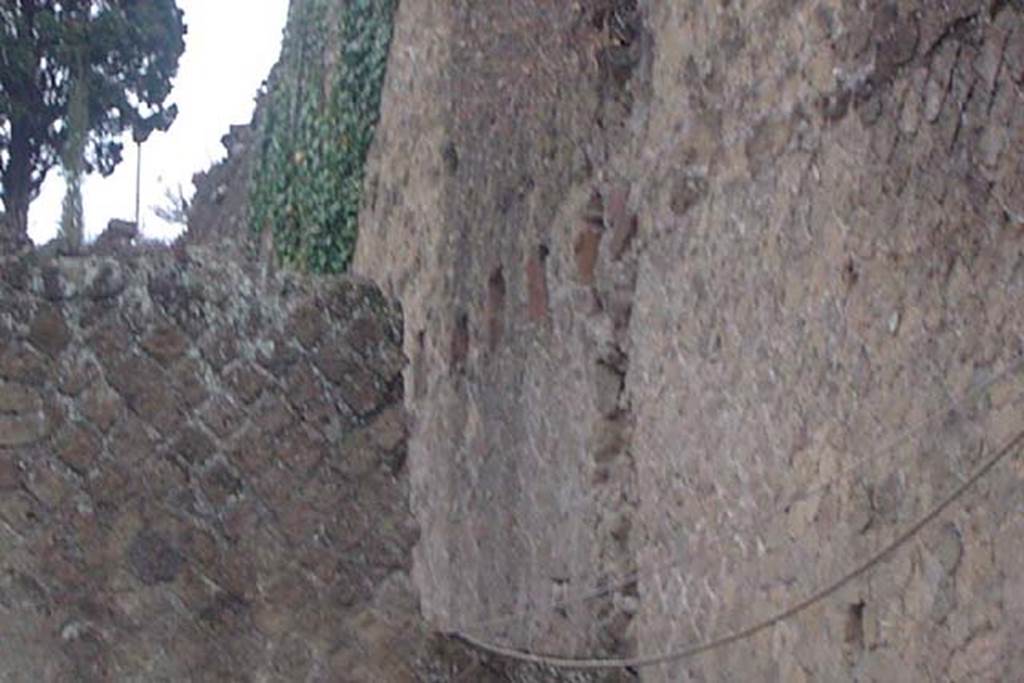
(175, 207)
(72, 220)
(129, 51)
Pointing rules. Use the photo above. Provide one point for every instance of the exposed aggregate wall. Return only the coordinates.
(201, 478)
(723, 294)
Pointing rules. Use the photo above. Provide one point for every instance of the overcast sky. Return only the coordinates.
(229, 49)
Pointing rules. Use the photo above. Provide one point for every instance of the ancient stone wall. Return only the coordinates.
(201, 479)
(701, 312)
(482, 173)
(704, 303)
(219, 212)
(828, 336)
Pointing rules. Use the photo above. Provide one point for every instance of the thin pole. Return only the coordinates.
(138, 184)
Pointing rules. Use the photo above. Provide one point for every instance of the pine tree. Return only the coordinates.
(128, 52)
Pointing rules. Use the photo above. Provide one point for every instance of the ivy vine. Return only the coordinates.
(316, 129)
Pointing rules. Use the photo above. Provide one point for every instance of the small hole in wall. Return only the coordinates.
(855, 625)
(419, 366)
(459, 347)
(450, 157)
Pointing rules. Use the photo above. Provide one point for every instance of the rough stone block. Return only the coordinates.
(245, 380)
(48, 487)
(165, 342)
(17, 430)
(307, 324)
(193, 445)
(130, 440)
(17, 398)
(48, 332)
(76, 373)
(22, 512)
(101, 406)
(10, 472)
(79, 447)
(107, 281)
(358, 386)
(188, 379)
(300, 449)
(113, 485)
(222, 416)
(388, 429)
(154, 558)
(148, 392)
(272, 415)
(304, 388)
(219, 484)
(20, 363)
(219, 348)
(111, 341)
(364, 334)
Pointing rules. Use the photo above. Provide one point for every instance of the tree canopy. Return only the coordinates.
(127, 50)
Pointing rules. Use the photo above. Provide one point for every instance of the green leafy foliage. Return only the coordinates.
(317, 129)
(121, 54)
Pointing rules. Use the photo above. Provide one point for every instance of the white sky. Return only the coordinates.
(229, 49)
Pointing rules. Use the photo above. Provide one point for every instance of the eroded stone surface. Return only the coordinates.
(175, 504)
(827, 250)
(515, 264)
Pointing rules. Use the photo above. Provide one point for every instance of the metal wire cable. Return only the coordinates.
(624, 580)
(757, 627)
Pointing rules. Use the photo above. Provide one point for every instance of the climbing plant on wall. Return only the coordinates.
(316, 130)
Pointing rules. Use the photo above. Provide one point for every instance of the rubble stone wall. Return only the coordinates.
(200, 479)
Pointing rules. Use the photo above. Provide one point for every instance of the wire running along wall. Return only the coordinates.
(487, 633)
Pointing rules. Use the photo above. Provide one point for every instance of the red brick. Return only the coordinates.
(586, 249)
(536, 286)
(620, 221)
